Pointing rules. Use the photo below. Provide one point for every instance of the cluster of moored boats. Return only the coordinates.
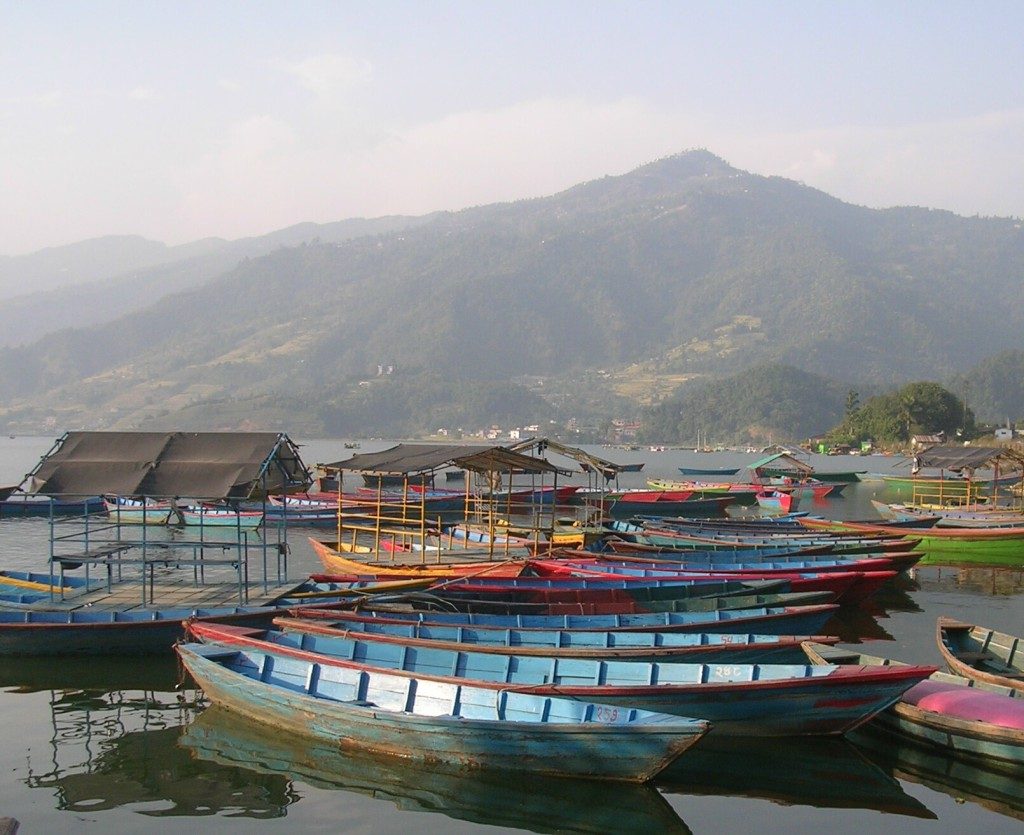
(605, 647)
(609, 665)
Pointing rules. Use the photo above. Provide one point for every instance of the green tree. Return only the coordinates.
(921, 407)
(852, 402)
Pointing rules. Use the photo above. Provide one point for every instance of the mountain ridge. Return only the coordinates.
(686, 265)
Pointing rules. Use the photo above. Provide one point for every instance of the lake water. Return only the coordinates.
(116, 747)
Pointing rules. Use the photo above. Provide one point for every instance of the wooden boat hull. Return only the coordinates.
(981, 654)
(29, 588)
(775, 620)
(849, 587)
(222, 519)
(944, 491)
(621, 646)
(18, 505)
(964, 738)
(630, 750)
(624, 508)
(987, 546)
(335, 563)
(838, 477)
(137, 632)
(972, 720)
(777, 501)
(758, 700)
(135, 513)
(714, 472)
(892, 513)
(604, 606)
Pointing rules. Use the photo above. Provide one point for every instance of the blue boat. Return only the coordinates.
(565, 643)
(613, 601)
(718, 472)
(457, 723)
(749, 699)
(776, 620)
(765, 700)
(22, 504)
(37, 631)
(131, 632)
(26, 588)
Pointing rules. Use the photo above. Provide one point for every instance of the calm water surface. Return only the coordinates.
(118, 747)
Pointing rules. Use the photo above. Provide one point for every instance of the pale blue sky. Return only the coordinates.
(181, 120)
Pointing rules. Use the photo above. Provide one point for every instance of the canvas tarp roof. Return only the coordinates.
(201, 465)
(972, 458)
(411, 459)
(607, 468)
(783, 458)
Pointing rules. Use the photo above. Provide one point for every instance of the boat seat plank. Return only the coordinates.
(971, 657)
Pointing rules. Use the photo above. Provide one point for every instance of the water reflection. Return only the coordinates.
(986, 580)
(538, 804)
(823, 773)
(108, 748)
(999, 790)
(103, 674)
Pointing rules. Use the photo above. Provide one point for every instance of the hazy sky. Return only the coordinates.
(181, 120)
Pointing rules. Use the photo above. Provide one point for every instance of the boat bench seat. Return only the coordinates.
(969, 657)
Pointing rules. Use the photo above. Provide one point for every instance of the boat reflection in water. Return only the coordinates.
(109, 748)
(826, 773)
(997, 789)
(99, 675)
(536, 803)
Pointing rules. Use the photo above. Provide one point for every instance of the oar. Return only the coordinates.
(28, 584)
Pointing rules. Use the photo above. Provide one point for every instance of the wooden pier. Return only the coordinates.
(169, 588)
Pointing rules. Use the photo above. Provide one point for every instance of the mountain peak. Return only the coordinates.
(662, 176)
(696, 162)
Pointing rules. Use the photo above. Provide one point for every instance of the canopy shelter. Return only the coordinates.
(587, 461)
(163, 465)
(421, 459)
(963, 487)
(783, 461)
(408, 517)
(959, 458)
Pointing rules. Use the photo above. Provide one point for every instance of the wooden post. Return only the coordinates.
(376, 532)
(423, 519)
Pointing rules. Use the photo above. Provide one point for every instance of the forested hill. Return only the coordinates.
(99, 280)
(686, 264)
(994, 389)
(764, 402)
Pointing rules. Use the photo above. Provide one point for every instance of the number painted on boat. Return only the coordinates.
(606, 714)
(728, 672)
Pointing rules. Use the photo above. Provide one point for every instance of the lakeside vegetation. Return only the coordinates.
(893, 418)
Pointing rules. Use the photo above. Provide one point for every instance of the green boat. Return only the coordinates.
(946, 546)
(945, 491)
(838, 477)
